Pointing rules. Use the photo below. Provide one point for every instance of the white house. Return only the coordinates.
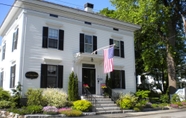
(43, 42)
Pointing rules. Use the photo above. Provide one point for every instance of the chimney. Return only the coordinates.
(88, 7)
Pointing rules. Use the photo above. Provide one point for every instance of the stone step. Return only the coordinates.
(104, 102)
(109, 111)
(105, 105)
(107, 108)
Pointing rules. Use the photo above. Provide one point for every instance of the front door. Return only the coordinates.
(88, 75)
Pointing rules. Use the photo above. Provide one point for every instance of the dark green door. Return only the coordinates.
(89, 78)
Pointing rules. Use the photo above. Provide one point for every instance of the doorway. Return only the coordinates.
(88, 77)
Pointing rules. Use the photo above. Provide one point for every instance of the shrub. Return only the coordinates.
(82, 105)
(154, 105)
(5, 104)
(50, 110)
(72, 113)
(174, 105)
(4, 95)
(142, 94)
(16, 95)
(175, 98)
(21, 111)
(137, 109)
(34, 109)
(35, 97)
(64, 109)
(127, 101)
(164, 98)
(55, 97)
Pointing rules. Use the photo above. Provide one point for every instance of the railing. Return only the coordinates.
(112, 94)
(89, 96)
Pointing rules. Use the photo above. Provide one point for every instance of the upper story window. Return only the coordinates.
(118, 48)
(88, 43)
(15, 39)
(3, 51)
(53, 38)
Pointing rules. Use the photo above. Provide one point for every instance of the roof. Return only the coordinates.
(65, 11)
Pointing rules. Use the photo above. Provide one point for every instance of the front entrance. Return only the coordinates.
(88, 77)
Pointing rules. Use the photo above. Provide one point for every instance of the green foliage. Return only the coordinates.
(164, 98)
(33, 109)
(17, 95)
(22, 111)
(55, 97)
(82, 105)
(73, 87)
(35, 97)
(6, 104)
(143, 94)
(175, 98)
(154, 105)
(127, 101)
(4, 95)
(137, 109)
(72, 113)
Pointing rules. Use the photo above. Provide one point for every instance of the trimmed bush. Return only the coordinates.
(164, 98)
(55, 97)
(6, 104)
(82, 105)
(34, 109)
(72, 113)
(175, 98)
(4, 95)
(35, 97)
(127, 101)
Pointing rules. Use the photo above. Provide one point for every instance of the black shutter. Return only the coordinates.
(110, 41)
(60, 76)
(123, 78)
(81, 43)
(122, 49)
(43, 82)
(95, 43)
(45, 37)
(11, 70)
(61, 39)
(112, 79)
(17, 32)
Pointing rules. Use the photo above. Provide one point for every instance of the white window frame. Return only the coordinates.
(88, 44)
(118, 48)
(52, 75)
(53, 37)
(3, 51)
(12, 78)
(15, 38)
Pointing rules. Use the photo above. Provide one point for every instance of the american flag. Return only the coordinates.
(184, 23)
(108, 59)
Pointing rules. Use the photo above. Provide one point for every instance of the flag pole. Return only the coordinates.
(102, 48)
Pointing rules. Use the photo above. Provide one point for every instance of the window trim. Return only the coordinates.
(52, 75)
(48, 38)
(15, 39)
(85, 44)
(3, 51)
(2, 78)
(12, 78)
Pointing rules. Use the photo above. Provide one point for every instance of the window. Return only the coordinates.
(118, 79)
(88, 43)
(118, 48)
(15, 39)
(53, 38)
(51, 76)
(1, 80)
(12, 76)
(3, 51)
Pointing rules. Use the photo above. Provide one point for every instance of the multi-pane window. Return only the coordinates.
(53, 38)
(88, 44)
(12, 76)
(118, 79)
(15, 39)
(52, 74)
(117, 48)
(1, 80)
(3, 51)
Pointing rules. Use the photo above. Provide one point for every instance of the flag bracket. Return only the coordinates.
(102, 48)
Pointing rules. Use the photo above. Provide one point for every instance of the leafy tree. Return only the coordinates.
(159, 44)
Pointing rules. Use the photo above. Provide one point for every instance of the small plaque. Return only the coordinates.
(31, 75)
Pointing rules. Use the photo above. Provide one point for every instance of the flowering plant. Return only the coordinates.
(64, 109)
(85, 86)
(50, 110)
(103, 86)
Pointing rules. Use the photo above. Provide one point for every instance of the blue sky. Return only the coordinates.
(98, 5)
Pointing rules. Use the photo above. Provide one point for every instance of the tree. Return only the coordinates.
(160, 37)
(73, 87)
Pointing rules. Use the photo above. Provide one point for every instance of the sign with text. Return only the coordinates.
(31, 75)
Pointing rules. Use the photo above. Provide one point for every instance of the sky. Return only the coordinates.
(5, 6)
